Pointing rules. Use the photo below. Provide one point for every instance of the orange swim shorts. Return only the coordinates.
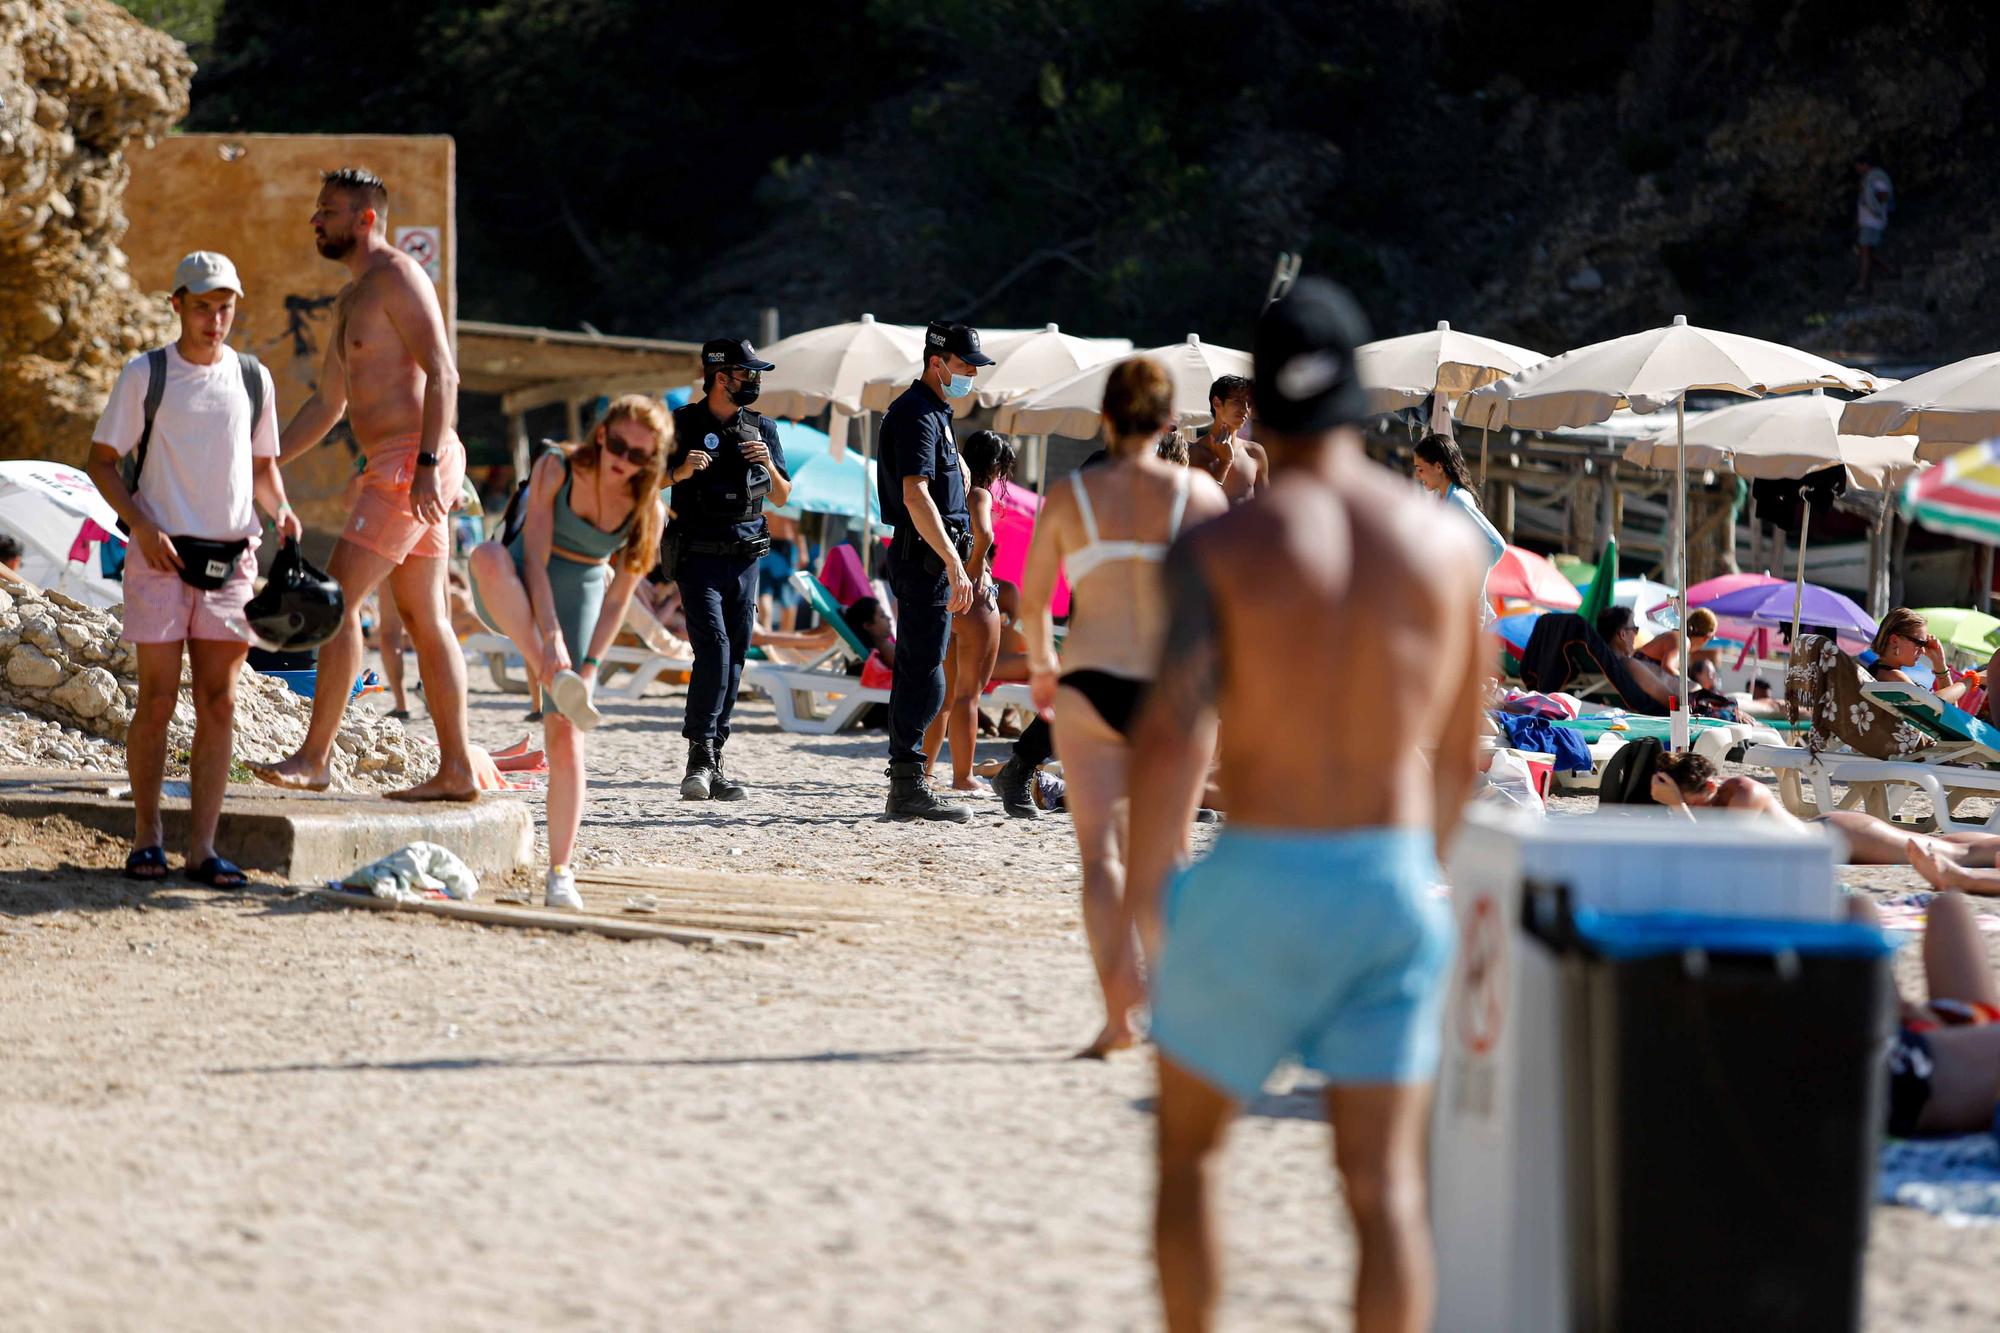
(382, 521)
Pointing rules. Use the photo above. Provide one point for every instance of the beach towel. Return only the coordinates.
(1541, 705)
(1564, 646)
(1955, 1179)
(1824, 684)
(1538, 735)
(416, 872)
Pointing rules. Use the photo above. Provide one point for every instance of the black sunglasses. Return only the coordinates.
(631, 454)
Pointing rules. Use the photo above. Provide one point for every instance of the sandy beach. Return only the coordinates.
(257, 1111)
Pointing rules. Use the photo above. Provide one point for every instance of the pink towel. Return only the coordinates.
(841, 573)
(79, 550)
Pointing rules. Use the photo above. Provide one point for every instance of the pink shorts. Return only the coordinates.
(382, 521)
(160, 608)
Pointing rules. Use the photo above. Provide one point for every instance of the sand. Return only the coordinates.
(254, 1111)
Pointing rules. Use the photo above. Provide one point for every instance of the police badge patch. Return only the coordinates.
(711, 442)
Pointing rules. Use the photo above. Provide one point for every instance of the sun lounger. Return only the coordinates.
(821, 698)
(638, 667)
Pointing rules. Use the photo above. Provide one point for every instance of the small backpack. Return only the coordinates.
(156, 392)
(1628, 774)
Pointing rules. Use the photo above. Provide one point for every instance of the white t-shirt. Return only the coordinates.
(1871, 207)
(196, 482)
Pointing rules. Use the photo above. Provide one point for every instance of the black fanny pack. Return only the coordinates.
(207, 565)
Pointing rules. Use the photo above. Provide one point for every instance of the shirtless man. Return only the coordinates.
(1240, 467)
(1311, 928)
(1688, 782)
(389, 367)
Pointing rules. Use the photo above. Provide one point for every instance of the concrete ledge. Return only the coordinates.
(301, 836)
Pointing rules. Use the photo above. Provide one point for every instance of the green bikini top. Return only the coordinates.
(578, 535)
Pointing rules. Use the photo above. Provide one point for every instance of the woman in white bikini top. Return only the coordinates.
(1110, 528)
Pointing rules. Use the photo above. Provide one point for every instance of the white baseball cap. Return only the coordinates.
(205, 271)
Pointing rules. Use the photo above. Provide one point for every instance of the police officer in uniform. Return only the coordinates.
(726, 463)
(922, 491)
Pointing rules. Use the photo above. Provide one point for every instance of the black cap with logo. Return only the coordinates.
(959, 340)
(717, 353)
(1304, 355)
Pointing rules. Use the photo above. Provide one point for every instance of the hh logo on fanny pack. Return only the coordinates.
(216, 569)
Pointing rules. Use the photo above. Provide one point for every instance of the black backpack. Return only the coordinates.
(1628, 774)
(156, 392)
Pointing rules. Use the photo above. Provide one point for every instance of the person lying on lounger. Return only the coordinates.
(1689, 781)
(1944, 1063)
(1664, 650)
(1617, 626)
(1903, 638)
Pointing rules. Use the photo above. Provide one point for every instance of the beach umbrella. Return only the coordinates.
(829, 485)
(1785, 437)
(1960, 497)
(1015, 509)
(1072, 406)
(58, 515)
(1646, 372)
(1024, 360)
(1514, 630)
(1946, 409)
(826, 367)
(1701, 594)
(1971, 632)
(1405, 372)
(1523, 576)
(1597, 589)
(801, 443)
(1775, 604)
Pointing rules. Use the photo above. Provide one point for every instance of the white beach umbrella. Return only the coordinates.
(1646, 372)
(1785, 438)
(1946, 409)
(1024, 360)
(1073, 406)
(62, 523)
(827, 367)
(1403, 372)
(1789, 436)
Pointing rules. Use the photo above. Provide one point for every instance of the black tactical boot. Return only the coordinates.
(699, 782)
(721, 788)
(910, 797)
(1013, 784)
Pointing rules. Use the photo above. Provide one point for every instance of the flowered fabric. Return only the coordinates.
(1824, 685)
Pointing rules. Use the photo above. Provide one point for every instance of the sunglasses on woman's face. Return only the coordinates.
(632, 454)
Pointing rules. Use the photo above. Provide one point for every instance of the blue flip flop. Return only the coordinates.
(217, 873)
(147, 864)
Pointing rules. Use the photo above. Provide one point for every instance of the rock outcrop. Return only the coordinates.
(79, 80)
(64, 662)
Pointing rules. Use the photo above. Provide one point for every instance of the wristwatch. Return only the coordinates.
(425, 459)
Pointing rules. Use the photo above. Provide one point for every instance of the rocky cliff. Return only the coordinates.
(79, 80)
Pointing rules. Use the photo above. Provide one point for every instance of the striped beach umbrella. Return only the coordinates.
(1960, 497)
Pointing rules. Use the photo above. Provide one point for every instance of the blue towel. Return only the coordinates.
(1957, 1179)
(1542, 736)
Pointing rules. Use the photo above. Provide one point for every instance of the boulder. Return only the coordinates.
(31, 668)
(89, 693)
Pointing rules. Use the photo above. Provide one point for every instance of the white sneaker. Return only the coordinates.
(571, 694)
(562, 889)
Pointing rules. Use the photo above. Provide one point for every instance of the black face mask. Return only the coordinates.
(745, 393)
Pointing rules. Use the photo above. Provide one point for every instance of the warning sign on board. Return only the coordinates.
(424, 245)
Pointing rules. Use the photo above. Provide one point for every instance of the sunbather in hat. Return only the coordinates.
(1690, 780)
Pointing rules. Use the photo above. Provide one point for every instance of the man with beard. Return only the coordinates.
(389, 368)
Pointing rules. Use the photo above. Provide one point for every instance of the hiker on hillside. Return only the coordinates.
(203, 422)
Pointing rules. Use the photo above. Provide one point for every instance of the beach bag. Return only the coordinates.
(1628, 774)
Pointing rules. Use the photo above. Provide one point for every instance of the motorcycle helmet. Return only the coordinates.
(299, 607)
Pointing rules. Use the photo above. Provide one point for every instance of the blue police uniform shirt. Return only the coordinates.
(706, 503)
(917, 441)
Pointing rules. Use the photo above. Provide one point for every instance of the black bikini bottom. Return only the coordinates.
(1116, 698)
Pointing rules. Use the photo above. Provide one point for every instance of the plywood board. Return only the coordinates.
(251, 197)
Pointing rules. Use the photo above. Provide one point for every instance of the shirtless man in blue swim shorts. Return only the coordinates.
(1312, 929)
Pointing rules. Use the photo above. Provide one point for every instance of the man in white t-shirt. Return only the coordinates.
(205, 467)
(1872, 205)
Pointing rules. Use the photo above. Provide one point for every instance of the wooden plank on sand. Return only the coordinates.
(541, 919)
